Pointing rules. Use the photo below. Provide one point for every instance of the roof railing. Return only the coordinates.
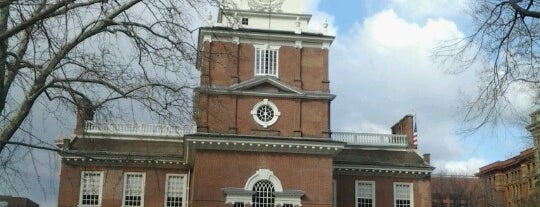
(371, 139)
(139, 129)
(360, 139)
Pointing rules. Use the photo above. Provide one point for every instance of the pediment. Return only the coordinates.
(266, 84)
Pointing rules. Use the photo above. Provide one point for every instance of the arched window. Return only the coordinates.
(263, 189)
(264, 194)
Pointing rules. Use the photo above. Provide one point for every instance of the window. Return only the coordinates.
(266, 60)
(134, 189)
(175, 190)
(265, 113)
(403, 195)
(91, 186)
(365, 193)
(264, 194)
(245, 21)
(238, 205)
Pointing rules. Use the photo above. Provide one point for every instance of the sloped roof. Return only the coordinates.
(381, 158)
(119, 146)
(130, 149)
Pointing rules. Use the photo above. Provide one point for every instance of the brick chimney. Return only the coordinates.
(85, 112)
(427, 158)
(405, 126)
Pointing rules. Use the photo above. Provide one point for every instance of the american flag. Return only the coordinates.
(415, 132)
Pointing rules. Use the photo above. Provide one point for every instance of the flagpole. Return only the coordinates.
(415, 132)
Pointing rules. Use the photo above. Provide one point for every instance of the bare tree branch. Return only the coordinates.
(505, 45)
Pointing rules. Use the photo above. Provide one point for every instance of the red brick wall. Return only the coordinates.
(384, 189)
(226, 63)
(70, 177)
(215, 170)
(231, 114)
(315, 69)
(405, 126)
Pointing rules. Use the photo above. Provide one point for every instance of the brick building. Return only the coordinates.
(10, 201)
(510, 182)
(534, 128)
(262, 135)
(515, 181)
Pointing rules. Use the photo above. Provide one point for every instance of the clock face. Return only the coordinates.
(265, 5)
(265, 113)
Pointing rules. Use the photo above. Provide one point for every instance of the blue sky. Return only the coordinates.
(381, 69)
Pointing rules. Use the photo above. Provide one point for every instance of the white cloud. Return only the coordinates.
(381, 70)
(365, 126)
(463, 167)
(387, 32)
(428, 8)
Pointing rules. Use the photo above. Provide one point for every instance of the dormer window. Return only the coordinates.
(266, 60)
(245, 21)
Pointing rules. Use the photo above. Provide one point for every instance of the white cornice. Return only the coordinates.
(256, 36)
(119, 161)
(287, 145)
(381, 170)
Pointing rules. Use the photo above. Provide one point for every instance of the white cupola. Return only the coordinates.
(279, 15)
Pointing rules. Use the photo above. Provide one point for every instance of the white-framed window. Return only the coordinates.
(91, 188)
(264, 194)
(175, 190)
(365, 193)
(266, 60)
(265, 113)
(133, 189)
(403, 195)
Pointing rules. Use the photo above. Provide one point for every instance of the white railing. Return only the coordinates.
(370, 139)
(139, 129)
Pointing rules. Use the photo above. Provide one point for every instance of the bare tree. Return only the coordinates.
(505, 43)
(97, 53)
(455, 189)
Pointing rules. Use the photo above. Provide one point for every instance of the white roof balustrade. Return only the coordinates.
(138, 129)
(371, 139)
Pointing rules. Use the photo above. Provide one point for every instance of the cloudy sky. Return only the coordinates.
(381, 69)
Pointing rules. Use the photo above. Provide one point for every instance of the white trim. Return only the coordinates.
(264, 174)
(245, 195)
(411, 192)
(184, 188)
(250, 37)
(143, 186)
(100, 199)
(265, 102)
(373, 195)
(382, 170)
(246, 85)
